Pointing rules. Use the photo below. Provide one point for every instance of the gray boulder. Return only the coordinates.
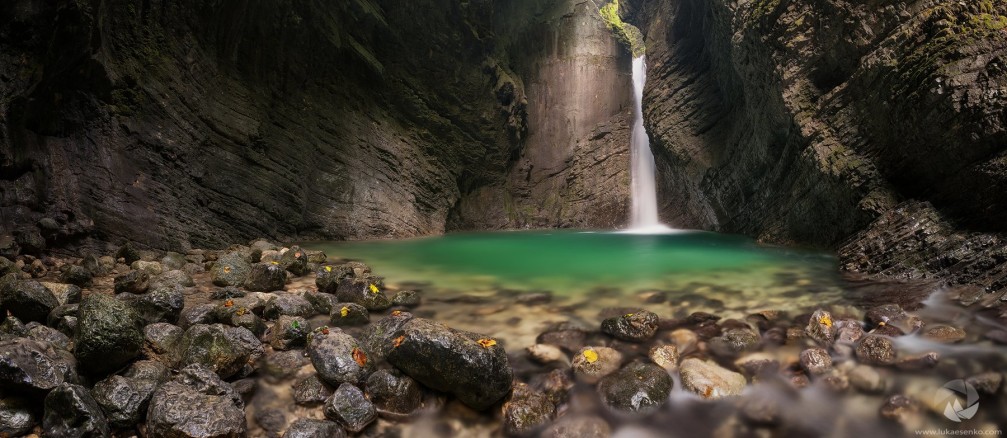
(225, 350)
(350, 408)
(109, 334)
(196, 403)
(337, 357)
(638, 388)
(27, 300)
(71, 412)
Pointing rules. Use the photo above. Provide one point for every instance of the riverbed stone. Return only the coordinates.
(986, 383)
(289, 332)
(327, 277)
(366, 291)
(337, 357)
(196, 403)
(821, 328)
(312, 428)
(124, 400)
(876, 350)
(637, 326)
(546, 354)
(380, 337)
(892, 315)
(151, 268)
(665, 356)
(64, 293)
(31, 365)
(287, 304)
(27, 300)
(734, 341)
(109, 334)
(295, 260)
(350, 408)
(205, 313)
(944, 334)
(223, 349)
(866, 379)
(816, 361)
(16, 417)
(471, 366)
(526, 411)
(348, 314)
(266, 277)
(311, 391)
(161, 338)
(76, 275)
(173, 278)
(917, 362)
(394, 394)
(134, 282)
(565, 335)
(578, 426)
(230, 269)
(709, 380)
(406, 298)
(590, 364)
(162, 304)
(48, 335)
(638, 388)
(322, 302)
(64, 318)
(71, 411)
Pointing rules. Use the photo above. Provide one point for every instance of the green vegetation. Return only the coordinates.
(626, 33)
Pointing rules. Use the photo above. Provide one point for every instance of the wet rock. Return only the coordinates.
(151, 268)
(48, 335)
(379, 338)
(134, 282)
(349, 314)
(684, 339)
(225, 350)
(327, 278)
(71, 411)
(12, 328)
(29, 364)
(27, 300)
(230, 269)
(198, 314)
(893, 315)
(161, 338)
(289, 332)
(123, 400)
(639, 388)
(311, 428)
(246, 388)
(998, 336)
(266, 277)
(709, 380)
(163, 304)
(545, 354)
(75, 275)
(526, 411)
(898, 408)
(875, 350)
(866, 379)
(350, 408)
(337, 357)
(226, 293)
(638, 326)
(172, 279)
(590, 364)
(295, 260)
(271, 420)
(816, 361)
(757, 365)
(848, 334)
(944, 334)
(565, 335)
(734, 342)
(173, 260)
(393, 394)
(311, 391)
(917, 362)
(406, 298)
(472, 367)
(287, 304)
(64, 293)
(367, 291)
(665, 356)
(821, 328)
(109, 334)
(128, 253)
(555, 384)
(578, 426)
(986, 383)
(64, 318)
(242, 317)
(149, 370)
(196, 403)
(16, 417)
(279, 365)
(321, 302)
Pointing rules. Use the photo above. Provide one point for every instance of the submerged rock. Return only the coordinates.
(472, 367)
(196, 403)
(876, 350)
(526, 411)
(350, 408)
(709, 380)
(816, 361)
(638, 326)
(734, 342)
(406, 298)
(945, 334)
(639, 388)
(665, 356)
(27, 300)
(578, 426)
(71, 411)
(866, 379)
(590, 364)
(109, 334)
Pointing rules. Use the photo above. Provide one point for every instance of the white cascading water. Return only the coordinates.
(643, 217)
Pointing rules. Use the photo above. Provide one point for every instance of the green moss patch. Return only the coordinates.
(626, 33)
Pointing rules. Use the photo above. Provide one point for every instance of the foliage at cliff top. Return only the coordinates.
(626, 33)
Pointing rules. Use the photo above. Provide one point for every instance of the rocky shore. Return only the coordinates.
(263, 340)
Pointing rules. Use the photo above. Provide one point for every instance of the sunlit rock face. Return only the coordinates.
(805, 121)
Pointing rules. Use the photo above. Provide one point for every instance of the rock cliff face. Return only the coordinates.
(810, 121)
(178, 122)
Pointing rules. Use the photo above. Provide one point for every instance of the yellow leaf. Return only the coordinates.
(591, 356)
(344, 311)
(825, 320)
(328, 269)
(373, 288)
(486, 343)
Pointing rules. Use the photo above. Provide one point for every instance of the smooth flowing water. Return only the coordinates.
(643, 216)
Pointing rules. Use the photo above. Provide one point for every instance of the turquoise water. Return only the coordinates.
(567, 262)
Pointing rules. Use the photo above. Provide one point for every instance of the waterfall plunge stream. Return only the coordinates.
(643, 218)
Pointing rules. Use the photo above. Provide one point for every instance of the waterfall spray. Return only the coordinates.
(643, 217)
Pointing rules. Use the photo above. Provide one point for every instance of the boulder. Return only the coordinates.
(225, 350)
(71, 411)
(638, 326)
(76, 275)
(526, 411)
(350, 408)
(590, 364)
(327, 277)
(349, 314)
(311, 428)
(16, 417)
(27, 300)
(64, 293)
(709, 380)
(196, 403)
(124, 400)
(151, 268)
(134, 282)
(406, 298)
(393, 394)
(48, 336)
(163, 304)
(289, 332)
(109, 334)
(295, 261)
(337, 357)
(367, 291)
(266, 277)
(161, 338)
(311, 391)
(473, 367)
(172, 279)
(32, 365)
(639, 388)
(230, 269)
(287, 304)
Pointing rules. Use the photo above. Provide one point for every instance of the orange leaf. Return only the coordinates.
(359, 357)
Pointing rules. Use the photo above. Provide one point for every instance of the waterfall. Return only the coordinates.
(643, 217)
